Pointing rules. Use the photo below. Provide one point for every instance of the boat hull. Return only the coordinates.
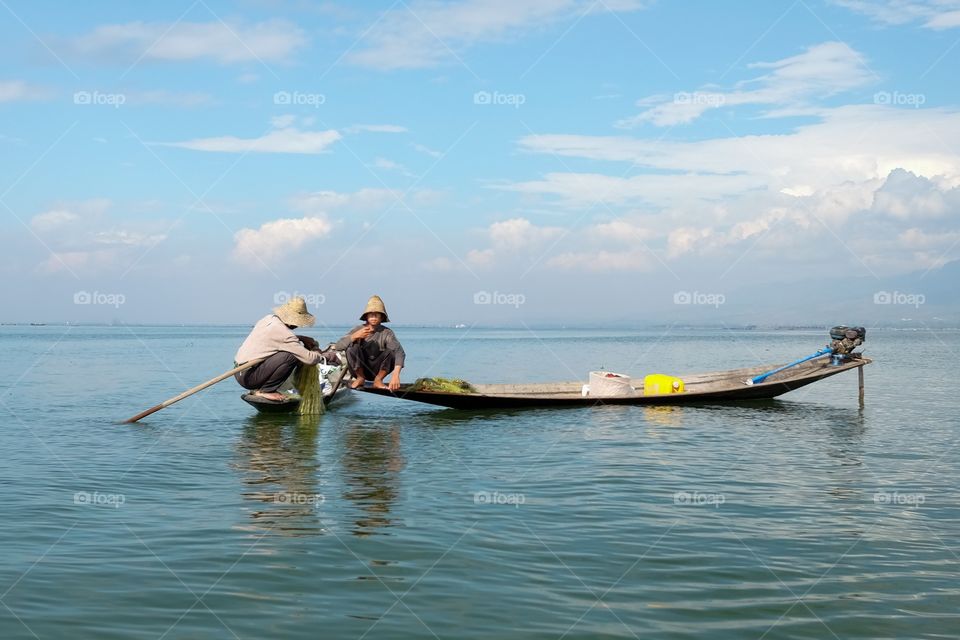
(724, 386)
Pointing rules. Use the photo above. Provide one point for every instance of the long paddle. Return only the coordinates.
(763, 376)
(190, 392)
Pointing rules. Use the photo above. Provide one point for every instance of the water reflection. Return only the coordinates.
(371, 465)
(278, 457)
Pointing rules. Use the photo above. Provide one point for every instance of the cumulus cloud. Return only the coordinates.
(428, 33)
(872, 186)
(222, 42)
(278, 239)
(822, 70)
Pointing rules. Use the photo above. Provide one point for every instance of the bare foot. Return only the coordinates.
(270, 395)
(356, 384)
(378, 384)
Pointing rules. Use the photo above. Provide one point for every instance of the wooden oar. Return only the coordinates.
(190, 392)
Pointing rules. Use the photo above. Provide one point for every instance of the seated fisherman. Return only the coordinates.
(273, 338)
(373, 350)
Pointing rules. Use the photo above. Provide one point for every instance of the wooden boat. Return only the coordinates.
(720, 386)
(287, 406)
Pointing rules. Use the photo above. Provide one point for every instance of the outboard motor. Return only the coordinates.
(845, 339)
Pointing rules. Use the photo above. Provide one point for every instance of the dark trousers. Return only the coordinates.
(366, 359)
(269, 374)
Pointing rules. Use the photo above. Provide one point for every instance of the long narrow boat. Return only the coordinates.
(719, 386)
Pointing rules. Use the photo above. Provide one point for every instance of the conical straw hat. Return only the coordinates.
(294, 313)
(375, 304)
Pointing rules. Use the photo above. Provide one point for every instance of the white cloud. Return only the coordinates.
(822, 70)
(18, 90)
(84, 236)
(520, 233)
(278, 239)
(226, 43)
(846, 188)
(934, 14)
(52, 220)
(512, 239)
(427, 33)
(286, 139)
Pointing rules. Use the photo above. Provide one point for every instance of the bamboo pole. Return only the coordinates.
(860, 371)
(190, 392)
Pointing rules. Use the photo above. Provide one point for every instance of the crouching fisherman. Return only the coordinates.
(373, 350)
(273, 338)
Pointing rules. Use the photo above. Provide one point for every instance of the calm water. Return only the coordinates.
(799, 518)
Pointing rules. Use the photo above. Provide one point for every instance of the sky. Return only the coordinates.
(473, 161)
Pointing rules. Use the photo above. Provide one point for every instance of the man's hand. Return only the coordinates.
(309, 343)
(394, 383)
(362, 334)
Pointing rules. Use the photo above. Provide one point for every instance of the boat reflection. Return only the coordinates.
(277, 455)
(371, 464)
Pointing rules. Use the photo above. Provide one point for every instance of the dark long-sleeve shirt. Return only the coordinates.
(385, 338)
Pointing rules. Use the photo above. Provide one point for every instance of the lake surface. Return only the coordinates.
(804, 517)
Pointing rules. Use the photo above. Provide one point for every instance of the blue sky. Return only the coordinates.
(196, 161)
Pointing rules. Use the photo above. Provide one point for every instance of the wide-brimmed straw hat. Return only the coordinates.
(294, 313)
(375, 304)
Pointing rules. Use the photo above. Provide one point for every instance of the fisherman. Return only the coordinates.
(273, 338)
(373, 350)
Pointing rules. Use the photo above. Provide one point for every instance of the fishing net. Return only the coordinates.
(308, 386)
(443, 385)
